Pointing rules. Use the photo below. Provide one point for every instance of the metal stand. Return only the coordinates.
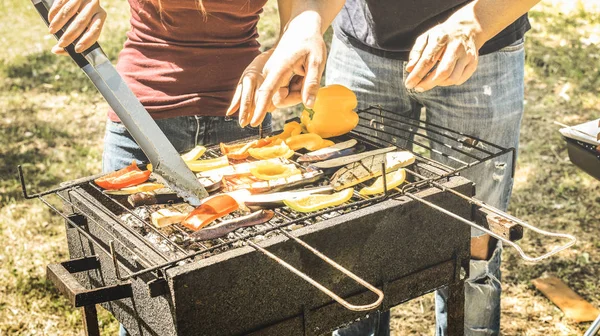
(456, 308)
(594, 328)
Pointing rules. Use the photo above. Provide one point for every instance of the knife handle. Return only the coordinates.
(43, 7)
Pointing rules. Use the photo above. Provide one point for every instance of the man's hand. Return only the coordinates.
(88, 20)
(445, 55)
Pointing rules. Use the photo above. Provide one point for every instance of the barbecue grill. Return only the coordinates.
(280, 278)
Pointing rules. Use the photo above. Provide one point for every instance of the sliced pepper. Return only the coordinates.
(208, 164)
(136, 189)
(212, 209)
(318, 202)
(272, 171)
(310, 141)
(393, 180)
(333, 113)
(326, 143)
(194, 154)
(240, 151)
(126, 177)
(290, 129)
(272, 152)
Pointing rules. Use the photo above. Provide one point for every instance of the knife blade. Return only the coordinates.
(166, 161)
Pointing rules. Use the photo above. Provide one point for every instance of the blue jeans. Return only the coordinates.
(489, 106)
(183, 132)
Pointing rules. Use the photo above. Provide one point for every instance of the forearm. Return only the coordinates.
(312, 14)
(489, 17)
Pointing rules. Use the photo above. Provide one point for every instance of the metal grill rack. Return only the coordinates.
(377, 128)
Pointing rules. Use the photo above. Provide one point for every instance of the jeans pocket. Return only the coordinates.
(518, 45)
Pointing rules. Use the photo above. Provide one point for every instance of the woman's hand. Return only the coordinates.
(453, 45)
(243, 98)
(301, 51)
(88, 19)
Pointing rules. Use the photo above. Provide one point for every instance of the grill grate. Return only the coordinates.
(377, 128)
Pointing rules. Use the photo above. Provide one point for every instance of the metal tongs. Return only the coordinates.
(165, 160)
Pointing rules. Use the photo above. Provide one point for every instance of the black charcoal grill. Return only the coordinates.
(394, 247)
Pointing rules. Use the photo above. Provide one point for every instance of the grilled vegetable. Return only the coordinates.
(208, 164)
(341, 161)
(126, 177)
(194, 154)
(166, 217)
(239, 151)
(160, 196)
(237, 169)
(368, 168)
(273, 200)
(166, 195)
(213, 208)
(256, 186)
(332, 154)
(149, 186)
(333, 113)
(270, 152)
(333, 148)
(290, 129)
(270, 171)
(309, 141)
(317, 202)
(223, 228)
(393, 180)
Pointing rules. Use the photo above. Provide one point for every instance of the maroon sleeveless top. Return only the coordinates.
(184, 63)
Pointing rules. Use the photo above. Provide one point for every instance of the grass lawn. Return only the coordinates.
(52, 121)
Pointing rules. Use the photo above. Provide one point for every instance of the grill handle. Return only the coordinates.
(43, 6)
(61, 275)
(322, 288)
(571, 239)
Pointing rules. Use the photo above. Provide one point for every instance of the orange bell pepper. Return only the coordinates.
(333, 113)
(214, 208)
(324, 144)
(290, 129)
(310, 141)
(126, 177)
(240, 151)
(272, 152)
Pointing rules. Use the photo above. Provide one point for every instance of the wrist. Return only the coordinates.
(469, 25)
(308, 21)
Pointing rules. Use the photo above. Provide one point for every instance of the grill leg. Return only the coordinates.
(456, 308)
(90, 320)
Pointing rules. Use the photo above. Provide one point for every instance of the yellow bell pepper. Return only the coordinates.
(333, 113)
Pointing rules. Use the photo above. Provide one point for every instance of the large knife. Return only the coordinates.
(165, 160)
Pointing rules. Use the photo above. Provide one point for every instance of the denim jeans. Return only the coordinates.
(489, 106)
(183, 132)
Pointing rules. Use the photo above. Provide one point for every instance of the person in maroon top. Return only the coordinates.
(192, 62)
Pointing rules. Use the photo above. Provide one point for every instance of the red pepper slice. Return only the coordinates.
(126, 177)
(214, 208)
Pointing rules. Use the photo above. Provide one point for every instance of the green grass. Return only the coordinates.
(52, 121)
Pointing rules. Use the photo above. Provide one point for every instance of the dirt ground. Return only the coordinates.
(52, 121)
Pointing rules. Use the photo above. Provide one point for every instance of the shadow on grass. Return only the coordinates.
(43, 71)
(35, 144)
